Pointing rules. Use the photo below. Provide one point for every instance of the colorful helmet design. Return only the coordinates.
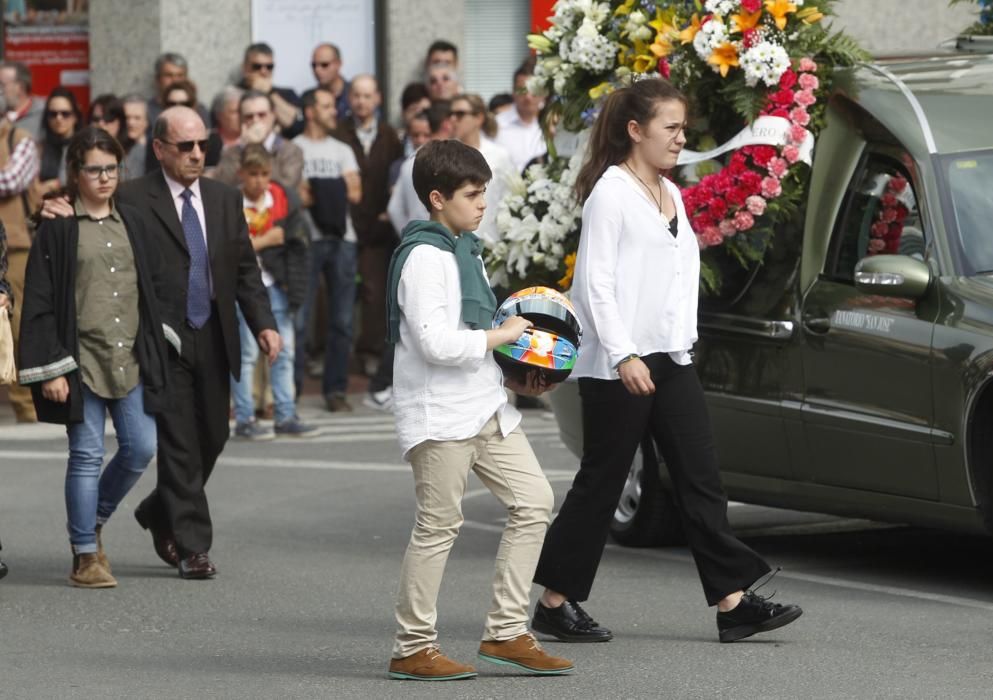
(551, 345)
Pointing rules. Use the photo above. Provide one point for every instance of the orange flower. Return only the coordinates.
(570, 269)
(745, 21)
(724, 57)
(665, 33)
(779, 9)
(687, 35)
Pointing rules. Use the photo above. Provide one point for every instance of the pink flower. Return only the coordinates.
(876, 245)
(778, 167)
(791, 153)
(897, 184)
(771, 187)
(756, 205)
(743, 220)
(799, 116)
(664, 69)
(805, 98)
(751, 5)
(888, 215)
(797, 134)
(888, 200)
(879, 229)
(710, 236)
(807, 65)
(727, 228)
(809, 82)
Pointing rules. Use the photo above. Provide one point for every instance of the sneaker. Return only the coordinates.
(752, 615)
(524, 653)
(568, 623)
(88, 572)
(294, 427)
(252, 431)
(337, 403)
(429, 665)
(379, 400)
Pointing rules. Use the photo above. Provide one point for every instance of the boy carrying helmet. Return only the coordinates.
(452, 416)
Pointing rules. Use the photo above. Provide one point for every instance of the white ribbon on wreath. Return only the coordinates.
(764, 131)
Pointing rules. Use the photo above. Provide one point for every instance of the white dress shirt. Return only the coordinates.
(636, 285)
(404, 205)
(524, 141)
(446, 384)
(176, 189)
(503, 169)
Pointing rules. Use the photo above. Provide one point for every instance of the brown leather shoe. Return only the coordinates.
(429, 665)
(197, 566)
(88, 572)
(102, 555)
(525, 653)
(162, 540)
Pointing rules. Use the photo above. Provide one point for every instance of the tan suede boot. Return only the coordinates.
(525, 653)
(101, 555)
(429, 665)
(88, 572)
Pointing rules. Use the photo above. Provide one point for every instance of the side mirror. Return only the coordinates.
(893, 276)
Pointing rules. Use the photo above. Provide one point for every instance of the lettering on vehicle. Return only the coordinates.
(860, 320)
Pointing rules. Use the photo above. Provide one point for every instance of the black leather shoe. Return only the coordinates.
(568, 623)
(3, 569)
(752, 615)
(197, 566)
(163, 541)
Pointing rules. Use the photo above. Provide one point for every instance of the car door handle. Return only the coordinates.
(817, 324)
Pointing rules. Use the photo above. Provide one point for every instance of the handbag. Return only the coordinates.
(8, 374)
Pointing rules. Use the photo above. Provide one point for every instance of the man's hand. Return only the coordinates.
(534, 384)
(56, 207)
(56, 390)
(306, 197)
(273, 237)
(255, 132)
(270, 343)
(636, 377)
(4, 301)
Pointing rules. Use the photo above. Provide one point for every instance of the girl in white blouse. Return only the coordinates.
(635, 291)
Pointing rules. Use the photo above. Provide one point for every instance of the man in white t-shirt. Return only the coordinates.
(519, 131)
(330, 184)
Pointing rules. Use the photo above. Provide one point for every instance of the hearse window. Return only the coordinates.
(880, 217)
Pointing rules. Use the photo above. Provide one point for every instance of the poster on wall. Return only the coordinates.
(294, 27)
(52, 38)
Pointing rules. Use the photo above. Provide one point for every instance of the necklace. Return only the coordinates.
(657, 200)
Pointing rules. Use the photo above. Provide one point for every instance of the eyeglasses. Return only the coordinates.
(95, 172)
(187, 146)
(263, 66)
(459, 113)
(59, 113)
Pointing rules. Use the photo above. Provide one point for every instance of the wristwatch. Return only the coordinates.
(632, 356)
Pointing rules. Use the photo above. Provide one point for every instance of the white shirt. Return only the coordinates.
(523, 141)
(503, 169)
(446, 384)
(176, 189)
(332, 159)
(267, 201)
(404, 205)
(636, 285)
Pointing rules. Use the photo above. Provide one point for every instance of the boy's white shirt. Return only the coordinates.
(446, 384)
(266, 201)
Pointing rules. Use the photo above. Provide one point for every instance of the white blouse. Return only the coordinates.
(635, 285)
(446, 384)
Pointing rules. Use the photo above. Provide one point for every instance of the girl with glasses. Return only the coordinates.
(93, 340)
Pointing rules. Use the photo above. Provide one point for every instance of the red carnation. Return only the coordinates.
(761, 155)
(782, 98)
(736, 196)
(751, 181)
(879, 229)
(780, 112)
(751, 5)
(664, 68)
(717, 207)
(787, 79)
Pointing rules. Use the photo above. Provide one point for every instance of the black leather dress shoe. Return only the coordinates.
(752, 615)
(568, 623)
(197, 566)
(163, 541)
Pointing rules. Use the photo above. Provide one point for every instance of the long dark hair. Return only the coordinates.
(81, 143)
(113, 110)
(609, 142)
(51, 145)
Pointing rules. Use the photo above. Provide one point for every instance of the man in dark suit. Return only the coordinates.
(204, 243)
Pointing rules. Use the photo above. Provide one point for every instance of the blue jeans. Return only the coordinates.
(91, 498)
(337, 260)
(281, 374)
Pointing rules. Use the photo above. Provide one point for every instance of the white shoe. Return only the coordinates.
(379, 400)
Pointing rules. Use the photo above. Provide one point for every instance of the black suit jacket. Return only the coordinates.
(234, 269)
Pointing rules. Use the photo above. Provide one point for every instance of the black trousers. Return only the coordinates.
(191, 437)
(614, 423)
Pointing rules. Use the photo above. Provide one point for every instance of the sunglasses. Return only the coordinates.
(101, 119)
(63, 113)
(95, 172)
(263, 66)
(187, 146)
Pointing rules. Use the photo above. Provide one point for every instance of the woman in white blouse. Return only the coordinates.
(635, 291)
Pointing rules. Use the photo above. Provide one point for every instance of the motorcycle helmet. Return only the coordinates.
(551, 345)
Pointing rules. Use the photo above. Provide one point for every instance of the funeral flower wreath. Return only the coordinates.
(757, 73)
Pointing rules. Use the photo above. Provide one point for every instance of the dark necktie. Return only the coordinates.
(198, 285)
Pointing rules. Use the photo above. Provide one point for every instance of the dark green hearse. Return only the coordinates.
(849, 383)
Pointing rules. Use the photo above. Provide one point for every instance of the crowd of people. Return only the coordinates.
(174, 246)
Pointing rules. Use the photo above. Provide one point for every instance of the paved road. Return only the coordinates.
(309, 540)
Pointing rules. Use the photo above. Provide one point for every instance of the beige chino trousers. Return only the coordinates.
(508, 468)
